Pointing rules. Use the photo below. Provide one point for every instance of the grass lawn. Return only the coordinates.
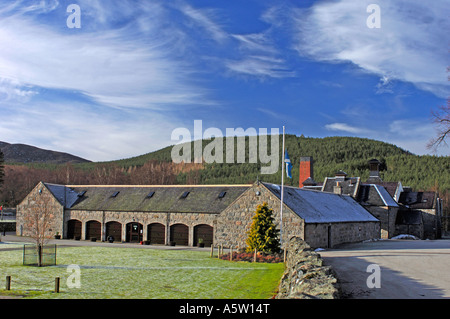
(139, 273)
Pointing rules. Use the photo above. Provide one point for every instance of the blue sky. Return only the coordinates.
(118, 86)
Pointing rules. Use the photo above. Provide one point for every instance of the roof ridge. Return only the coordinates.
(129, 186)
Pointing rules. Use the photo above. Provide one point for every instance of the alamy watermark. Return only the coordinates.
(74, 279)
(374, 19)
(74, 19)
(374, 280)
(214, 151)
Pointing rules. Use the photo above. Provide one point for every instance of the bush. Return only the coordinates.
(261, 257)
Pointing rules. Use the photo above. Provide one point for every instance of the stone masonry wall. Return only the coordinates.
(305, 276)
(145, 218)
(234, 222)
(386, 216)
(39, 200)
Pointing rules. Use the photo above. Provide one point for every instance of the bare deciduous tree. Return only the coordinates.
(441, 118)
(38, 221)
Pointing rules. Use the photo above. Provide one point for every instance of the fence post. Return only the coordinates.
(212, 251)
(231, 253)
(254, 256)
(8, 283)
(57, 280)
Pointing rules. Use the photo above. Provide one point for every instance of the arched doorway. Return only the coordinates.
(179, 234)
(93, 230)
(156, 233)
(134, 232)
(114, 229)
(74, 229)
(205, 233)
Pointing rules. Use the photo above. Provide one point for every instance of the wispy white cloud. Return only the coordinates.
(343, 127)
(409, 134)
(115, 66)
(410, 45)
(260, 66)
(96, 134)
(206, 19)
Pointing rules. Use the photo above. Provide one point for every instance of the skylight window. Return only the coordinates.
(185, 194)
(222, 194)
(150, 195)
(81, 194)
(115, 194)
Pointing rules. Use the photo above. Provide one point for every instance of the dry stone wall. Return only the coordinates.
(305, 276)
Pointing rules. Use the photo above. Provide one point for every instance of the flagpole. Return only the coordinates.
(282, 192)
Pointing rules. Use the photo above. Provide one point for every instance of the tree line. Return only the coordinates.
(331, 154)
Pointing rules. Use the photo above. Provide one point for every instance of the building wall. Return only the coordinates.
(430, 224)
(327, 235)
(234, 222)
(39, 201)
(387, 216)
(145, 218)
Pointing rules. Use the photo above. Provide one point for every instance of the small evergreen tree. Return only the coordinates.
(263, 234)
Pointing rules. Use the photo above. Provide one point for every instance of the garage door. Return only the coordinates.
(179, 233)
(114, 229)
(156, 233)
(204, 232)
(93, 230)
(74, 229)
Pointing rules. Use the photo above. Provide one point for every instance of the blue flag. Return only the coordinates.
(288, 165)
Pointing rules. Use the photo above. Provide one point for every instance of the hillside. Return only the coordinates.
(330, 154)
(22, 153)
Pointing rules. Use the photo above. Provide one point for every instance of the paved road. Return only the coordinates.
(409, 269)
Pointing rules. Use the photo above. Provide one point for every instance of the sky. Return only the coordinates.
(118, 85)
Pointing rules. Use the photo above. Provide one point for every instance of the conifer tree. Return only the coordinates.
(263, 234)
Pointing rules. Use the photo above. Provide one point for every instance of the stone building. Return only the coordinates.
(399, 210)
(321, 219)
(419, 214)
(184, 214)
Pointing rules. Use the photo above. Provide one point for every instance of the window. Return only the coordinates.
(185, 194)
(150, 195)
(222, 194)
(115, 194)
(81, 194)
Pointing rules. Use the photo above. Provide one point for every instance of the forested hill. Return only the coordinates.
(330, 154)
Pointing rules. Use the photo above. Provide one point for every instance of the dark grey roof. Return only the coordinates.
(418, 200)
(200, 199)
(320, 207)
(66, 196)
(375, 195)
(349, 185)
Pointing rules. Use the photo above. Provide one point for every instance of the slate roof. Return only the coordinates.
(375, 195)
(349, 185)
(200, 199)
(320, 207)
(418, 200)
(66, 196)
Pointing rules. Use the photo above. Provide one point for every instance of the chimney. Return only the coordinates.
(374, 167)
(337, 189)
(306, 171)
